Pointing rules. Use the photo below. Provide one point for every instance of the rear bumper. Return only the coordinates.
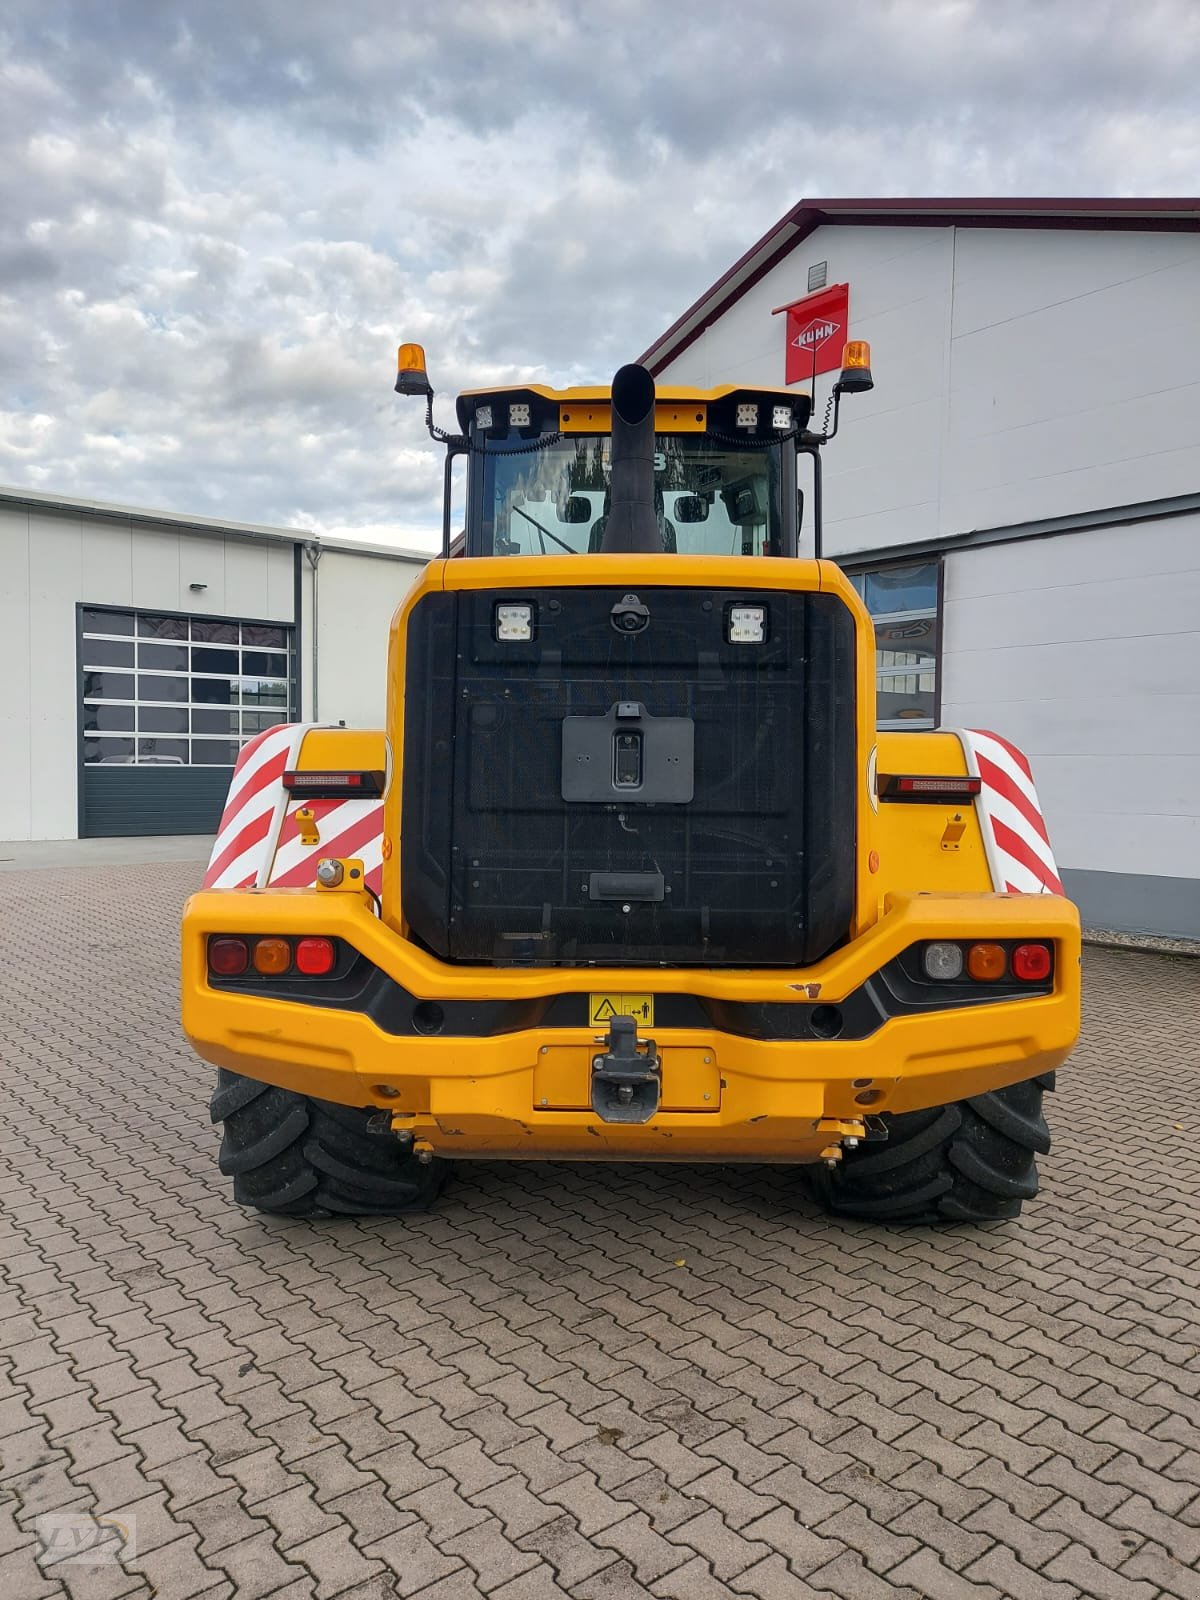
(725, 1096)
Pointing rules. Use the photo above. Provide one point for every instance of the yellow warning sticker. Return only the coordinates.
(602, 1008)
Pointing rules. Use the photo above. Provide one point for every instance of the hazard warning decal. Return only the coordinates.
(602, 1008)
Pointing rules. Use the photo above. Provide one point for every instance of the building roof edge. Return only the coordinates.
(1173, 213)
(183, 522)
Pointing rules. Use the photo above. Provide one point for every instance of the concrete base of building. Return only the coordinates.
(1127, 902)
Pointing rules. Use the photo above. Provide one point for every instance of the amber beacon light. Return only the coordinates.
(856, 368)
(411, 377)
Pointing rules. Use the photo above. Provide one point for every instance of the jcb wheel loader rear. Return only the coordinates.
(630, 874)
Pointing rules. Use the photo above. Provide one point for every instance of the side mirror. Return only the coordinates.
(740, 505)
(690, 508)
(576, 509)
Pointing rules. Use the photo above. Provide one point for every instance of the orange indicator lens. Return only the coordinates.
(272, 956)
(987, 962)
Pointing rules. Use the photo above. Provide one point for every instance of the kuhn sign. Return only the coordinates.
(817, 328)
(815, 335)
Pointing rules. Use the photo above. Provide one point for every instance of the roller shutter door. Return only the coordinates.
(166, 702)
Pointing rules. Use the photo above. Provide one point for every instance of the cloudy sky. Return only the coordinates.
(219, 217)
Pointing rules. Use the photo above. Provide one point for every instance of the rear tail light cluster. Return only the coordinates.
(946, 962)
(935, 790)
(333, 785)
(270, 956)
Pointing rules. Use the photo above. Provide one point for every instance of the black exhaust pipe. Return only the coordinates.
(632, 520)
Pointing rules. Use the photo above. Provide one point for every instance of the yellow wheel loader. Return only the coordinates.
(630, 875)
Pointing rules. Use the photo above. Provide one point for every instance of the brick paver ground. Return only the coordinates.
(523, 1394)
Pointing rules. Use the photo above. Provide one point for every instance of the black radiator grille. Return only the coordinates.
(755, 869)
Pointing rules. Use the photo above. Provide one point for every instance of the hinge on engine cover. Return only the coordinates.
(627, 1077)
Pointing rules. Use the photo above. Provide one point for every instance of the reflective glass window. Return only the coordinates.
(206, 721)
(214, 752)
(150, 627)
(175, 696)
(206, 631)
(154, 687)
(97, 621)
(162, 719)
(108, 752)
(903, 602)
(163, 657)
(214, 660)
(113, 718)
(163, 752)
(108, 685)
(107, 653)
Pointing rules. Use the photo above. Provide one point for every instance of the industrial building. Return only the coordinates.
(139, 649)
(1018, 498)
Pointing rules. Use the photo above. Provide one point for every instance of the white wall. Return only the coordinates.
(1020, 373)
(48, 562)
(1084, 649)
(356, 598)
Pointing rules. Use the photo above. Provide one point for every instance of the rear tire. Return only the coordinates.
(971, 1161)
(298, 1157)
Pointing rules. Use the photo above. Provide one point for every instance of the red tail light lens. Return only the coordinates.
(315, 957)
(228, 958)
(1031, 962)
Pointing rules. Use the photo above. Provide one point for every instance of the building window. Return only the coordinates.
(903, 602)
(162, 690)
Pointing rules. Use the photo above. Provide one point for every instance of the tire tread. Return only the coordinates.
(970, 1161)
(296, 1156)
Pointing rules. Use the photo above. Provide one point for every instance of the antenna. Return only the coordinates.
(818, 508)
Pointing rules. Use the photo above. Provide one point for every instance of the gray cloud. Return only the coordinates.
(217, 220)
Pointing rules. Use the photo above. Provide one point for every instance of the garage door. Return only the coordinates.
(166, 702)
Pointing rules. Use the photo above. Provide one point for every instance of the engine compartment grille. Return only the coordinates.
(724, 835)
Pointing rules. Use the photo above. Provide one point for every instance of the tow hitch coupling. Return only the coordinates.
(627, 1076)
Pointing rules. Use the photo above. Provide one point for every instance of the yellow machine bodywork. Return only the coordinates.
(921, 874)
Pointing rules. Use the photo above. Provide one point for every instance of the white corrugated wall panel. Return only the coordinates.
(1095, 677)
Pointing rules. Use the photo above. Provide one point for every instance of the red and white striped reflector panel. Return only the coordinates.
(348, 828)
(1014, 830)
(254, 808)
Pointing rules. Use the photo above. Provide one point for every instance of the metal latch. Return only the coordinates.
(627, 1077)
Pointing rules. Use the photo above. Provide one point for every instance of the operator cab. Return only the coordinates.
(629, 468)
(541, 469)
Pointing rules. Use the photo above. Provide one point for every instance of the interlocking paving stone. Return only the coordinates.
(521, 1396)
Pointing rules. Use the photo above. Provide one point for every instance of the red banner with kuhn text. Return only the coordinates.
(817, 328)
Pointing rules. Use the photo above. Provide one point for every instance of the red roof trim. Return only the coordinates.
(1170, 214)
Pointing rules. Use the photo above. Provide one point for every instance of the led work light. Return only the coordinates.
(514, 620)
(747, 624)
